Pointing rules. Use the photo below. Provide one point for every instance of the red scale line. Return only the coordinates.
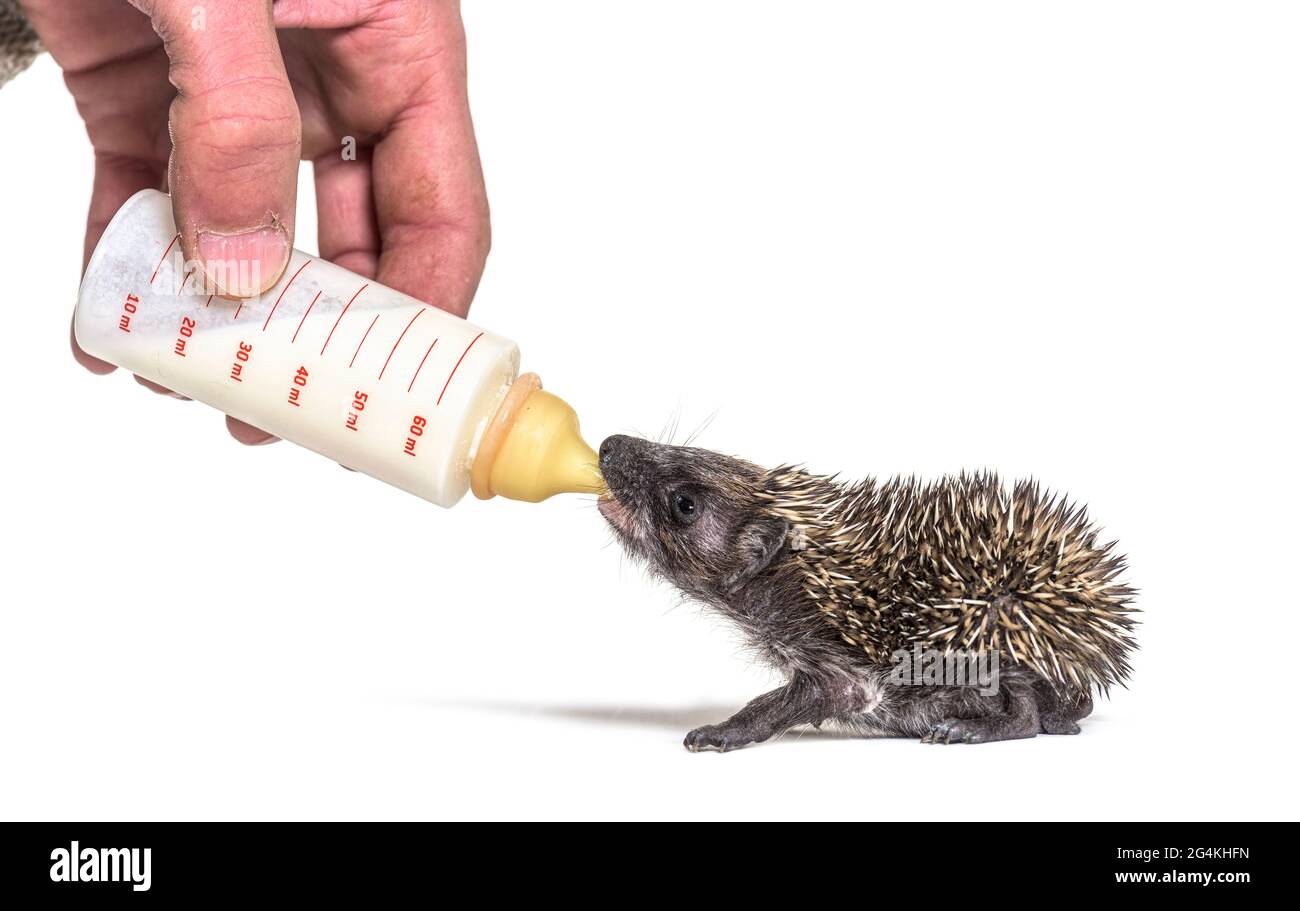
(340, 319)
(163, 259)
(363, 341)
(304, 316)
(282, 293)
(421, 367)
(418, 313)
(457, 367)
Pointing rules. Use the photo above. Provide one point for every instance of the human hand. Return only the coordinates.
(207, 99)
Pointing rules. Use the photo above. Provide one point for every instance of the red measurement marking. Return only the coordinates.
(282, 293)
(363, 340)
(359, 400)
(186, 281)
(457, 367)
(237, 309)
(299, 384)
(421, 367)
(417, 430)
(242, 355)
(340, 319)
(129, 308)
(184, 335)
(163, 259)
(418, 314)
(304, 318)
(209, 303)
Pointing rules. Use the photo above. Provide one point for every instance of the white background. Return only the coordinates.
(1050, 239)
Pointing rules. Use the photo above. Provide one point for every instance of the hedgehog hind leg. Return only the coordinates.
(1061, 714)
(1016, 719)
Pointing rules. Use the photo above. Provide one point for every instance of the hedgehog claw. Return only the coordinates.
(948, 732)
(717, 738)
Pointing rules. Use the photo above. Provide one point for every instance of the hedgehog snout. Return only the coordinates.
(622, 470)
(613, 467)
(617, 461)
(612, 447)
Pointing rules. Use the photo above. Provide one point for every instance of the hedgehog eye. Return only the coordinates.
(685, 507)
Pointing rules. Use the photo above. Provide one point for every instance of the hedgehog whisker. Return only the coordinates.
(670, 426)
(704, 425)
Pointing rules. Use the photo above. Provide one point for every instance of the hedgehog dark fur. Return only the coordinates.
(834, 583)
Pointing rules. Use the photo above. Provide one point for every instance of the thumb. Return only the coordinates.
(236, 140)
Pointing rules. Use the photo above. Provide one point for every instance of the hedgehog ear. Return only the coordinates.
(756, 546)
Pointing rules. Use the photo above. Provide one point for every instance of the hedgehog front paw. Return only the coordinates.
(718, 737)
(953, 731)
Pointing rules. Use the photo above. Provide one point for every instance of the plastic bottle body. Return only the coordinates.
(363, 374)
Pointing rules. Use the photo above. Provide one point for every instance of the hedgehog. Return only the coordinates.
(956, 610)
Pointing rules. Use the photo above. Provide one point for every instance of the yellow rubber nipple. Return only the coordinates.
(533, 448)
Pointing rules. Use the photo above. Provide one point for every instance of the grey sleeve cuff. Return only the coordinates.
(18, 43)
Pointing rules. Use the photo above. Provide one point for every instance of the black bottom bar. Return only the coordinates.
(969, 860)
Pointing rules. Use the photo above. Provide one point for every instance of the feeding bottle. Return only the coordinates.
(370, 377)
